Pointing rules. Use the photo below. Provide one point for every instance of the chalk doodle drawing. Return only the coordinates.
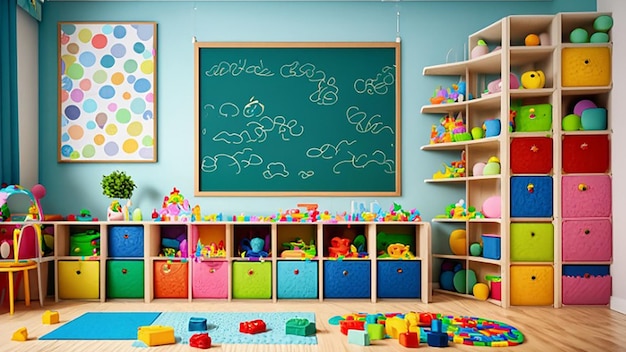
(379, 85)
(237, 68)
(345, 157)
(327, 90)
(240, 159)
(275, 169)
(365, 124)
(304, 174)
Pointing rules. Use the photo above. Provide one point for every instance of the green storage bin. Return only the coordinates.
(252, 280)
(532, 242)
(85, 244)
(125, 279)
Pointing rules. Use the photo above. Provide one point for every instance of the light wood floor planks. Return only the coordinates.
(570, 329)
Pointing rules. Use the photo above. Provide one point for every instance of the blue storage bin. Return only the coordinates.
(491, 246)
(347, 279)
(399, 279)
(531, 196)
(296, 279)
(126, 241)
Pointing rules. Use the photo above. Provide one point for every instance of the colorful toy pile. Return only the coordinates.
(435, 329)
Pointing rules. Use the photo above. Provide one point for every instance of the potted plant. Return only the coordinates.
(118, 185)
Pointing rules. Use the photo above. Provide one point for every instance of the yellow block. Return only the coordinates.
(50, 317)
(395, 326)
(20, 335)
(589, 66)
(156, 335)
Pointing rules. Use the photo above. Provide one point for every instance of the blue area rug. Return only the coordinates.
(223, 328)
(103, 326)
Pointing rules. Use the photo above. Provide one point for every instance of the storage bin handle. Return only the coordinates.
(583, 187)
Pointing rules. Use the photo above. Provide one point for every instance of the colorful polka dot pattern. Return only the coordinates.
(107, 77)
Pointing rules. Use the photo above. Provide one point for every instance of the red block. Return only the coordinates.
(346, 325)
(252, 327)
(409, 339)
(202, 341)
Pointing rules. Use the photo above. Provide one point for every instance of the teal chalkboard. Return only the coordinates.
(295, 119)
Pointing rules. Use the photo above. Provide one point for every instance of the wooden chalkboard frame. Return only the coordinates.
(394, 190)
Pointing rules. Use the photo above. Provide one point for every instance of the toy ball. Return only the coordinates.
(571, 122)
(478, 168)
(491, 207)
(458, 242)
(593, 119)
(599, 37)
(583, 105)
(38, 191)
(476, 249)
(464, 280)
(603, 23)
(533, 79)
(579, 35)
(492, 167)
(446, 280)
(481, 291)
(532, 40)
(477, 133)
(544, 39)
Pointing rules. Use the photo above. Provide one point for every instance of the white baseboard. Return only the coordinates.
(618, 304)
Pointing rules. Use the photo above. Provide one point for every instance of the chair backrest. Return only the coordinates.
(18, 238)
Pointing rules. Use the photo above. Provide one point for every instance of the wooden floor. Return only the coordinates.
(546, 329)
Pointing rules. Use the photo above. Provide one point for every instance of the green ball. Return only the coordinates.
(476, 249)
(571, 122)
(579, 35)
(603, 23)
(599, 37)
(477, 133)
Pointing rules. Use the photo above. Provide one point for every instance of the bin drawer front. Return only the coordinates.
(399, 279)
(171, 279)
(347, 279)
(125, 279)
(126, 241)
(587, 240)
(532, 155)
(586, 196)
(586, 154)
(297, 279)
(586, 284)
(210, 279)
(532, 242)
(531, 196)
(532, 285)
(79, 279)
(252, 280)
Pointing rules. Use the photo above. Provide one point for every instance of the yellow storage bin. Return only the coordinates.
(79, 279)
(532, 285)
(586, 67)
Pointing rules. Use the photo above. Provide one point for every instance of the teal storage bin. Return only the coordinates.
(491, 246)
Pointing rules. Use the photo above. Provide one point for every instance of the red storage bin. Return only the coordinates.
(586, 154)
(531, 155)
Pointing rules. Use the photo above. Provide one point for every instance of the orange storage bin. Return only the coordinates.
(171, 279)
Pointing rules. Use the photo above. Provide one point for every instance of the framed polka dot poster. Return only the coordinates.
(107, 92)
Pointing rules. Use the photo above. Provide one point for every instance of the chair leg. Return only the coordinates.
(11, 294)
(26, 288)
(39, 284)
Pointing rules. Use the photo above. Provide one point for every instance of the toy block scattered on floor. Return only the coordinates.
(197, 324)
(50, 317)
(436, 337)
(376, 331)
(350, 324)
(358, 337)
(202, 341)
(396, 326)
(409, 339)
(252, 326)
(156, 335)
(20, 335)
(300, 327)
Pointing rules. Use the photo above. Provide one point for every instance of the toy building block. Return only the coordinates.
(350, 324)
(50, 317)
(376, 331)
(252, 327)
(396, 326)
(436, 337)
(20, 334)
(197, 324)
(156, 335)
(358, 337)
(300, 327)
(409, 339)
(202, 341)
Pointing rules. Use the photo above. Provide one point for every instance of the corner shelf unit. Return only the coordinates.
(552, 248)
(129, 262)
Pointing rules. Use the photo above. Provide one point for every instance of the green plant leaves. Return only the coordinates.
(118, 184)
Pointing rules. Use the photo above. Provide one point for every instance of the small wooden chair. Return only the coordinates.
(24, 266)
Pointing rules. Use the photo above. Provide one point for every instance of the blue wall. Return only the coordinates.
(429, 30)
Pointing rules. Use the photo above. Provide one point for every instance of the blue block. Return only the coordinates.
(197, 324)
(358, 337)
(437, 339)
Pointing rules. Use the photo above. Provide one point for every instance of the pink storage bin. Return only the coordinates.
(586, 196)
(210, 279)
(592, 290)
(587, 240)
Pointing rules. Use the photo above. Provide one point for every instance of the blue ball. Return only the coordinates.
(446, 280)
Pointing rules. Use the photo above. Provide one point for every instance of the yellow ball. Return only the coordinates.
(531, 40)
(481, 291)
(458, 242)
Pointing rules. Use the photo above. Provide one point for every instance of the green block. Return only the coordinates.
(300, 327)
(376, 331)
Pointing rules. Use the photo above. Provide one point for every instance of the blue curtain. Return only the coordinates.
(9, 151)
